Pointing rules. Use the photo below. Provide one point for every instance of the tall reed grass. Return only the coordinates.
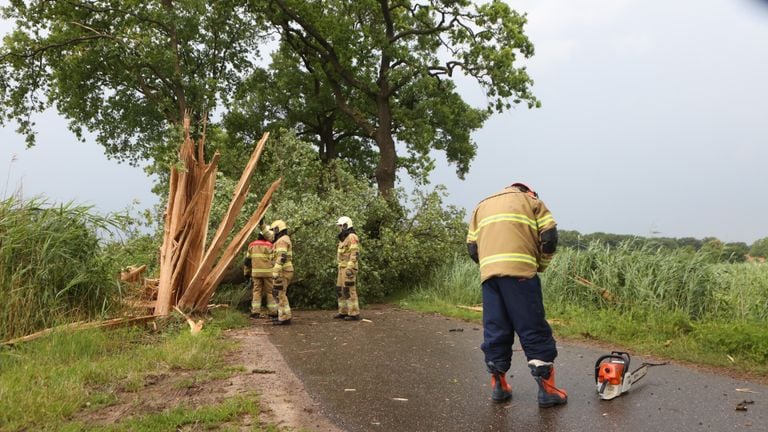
(455, 281)
(52, 268)
(676, 303)
(628, 278)
(632, 277)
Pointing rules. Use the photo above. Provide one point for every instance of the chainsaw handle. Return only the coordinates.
(620, 355)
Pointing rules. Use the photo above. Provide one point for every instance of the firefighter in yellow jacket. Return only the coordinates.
(513, 236)
(258, 272)
(347, 254)
(282, 271)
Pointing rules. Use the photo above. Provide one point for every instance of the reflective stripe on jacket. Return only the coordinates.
(260, 253)
(507, 228)
(283, 256)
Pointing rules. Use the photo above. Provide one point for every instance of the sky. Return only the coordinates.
(654, 121)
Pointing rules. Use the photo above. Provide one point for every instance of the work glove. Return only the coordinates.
(248, 282)
(349, 273)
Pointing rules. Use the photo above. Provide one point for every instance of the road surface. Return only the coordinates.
(408, 371)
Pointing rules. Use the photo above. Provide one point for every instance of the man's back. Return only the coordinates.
(506, 228)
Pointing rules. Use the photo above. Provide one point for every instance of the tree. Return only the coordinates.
(759, 248)
(287, 97)
(125, 70)
(735, 252)
(415, 238)
(390, 64)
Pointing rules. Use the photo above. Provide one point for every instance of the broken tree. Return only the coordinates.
(190, 271)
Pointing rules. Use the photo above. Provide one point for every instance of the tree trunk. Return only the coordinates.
(386, 169)
(328, 151)
(387, 166)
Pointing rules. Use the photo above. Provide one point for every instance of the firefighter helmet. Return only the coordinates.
(526, 189)
(267, 233)
(344, 220)
(278, 226)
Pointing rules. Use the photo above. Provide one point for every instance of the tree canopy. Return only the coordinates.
(369, 81)
(759, 248)
(123, 69)
(389, 68)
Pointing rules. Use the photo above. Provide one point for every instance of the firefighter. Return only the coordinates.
(258, 272)
(513, 236)
(347, 254)
(282, 271)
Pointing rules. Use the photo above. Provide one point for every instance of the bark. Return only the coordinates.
(386, 169)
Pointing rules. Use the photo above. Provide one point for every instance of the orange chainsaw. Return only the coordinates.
(612, 377)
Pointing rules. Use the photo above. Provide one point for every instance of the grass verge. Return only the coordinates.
(44, 383)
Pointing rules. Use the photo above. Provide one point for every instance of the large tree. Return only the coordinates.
(287, 95)
(389, 66)
(125, 70)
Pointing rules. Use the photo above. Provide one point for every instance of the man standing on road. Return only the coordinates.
(512, 235)
(258, 272)
(282, 271)
(347, 254)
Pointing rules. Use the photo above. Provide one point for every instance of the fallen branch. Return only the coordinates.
(133, 274)
(82, 325)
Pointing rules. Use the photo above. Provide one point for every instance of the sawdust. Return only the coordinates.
(258, 368)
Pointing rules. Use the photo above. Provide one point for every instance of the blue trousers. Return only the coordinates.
(515, 305)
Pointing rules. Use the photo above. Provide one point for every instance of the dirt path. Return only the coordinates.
(257, 367)
(283, 396)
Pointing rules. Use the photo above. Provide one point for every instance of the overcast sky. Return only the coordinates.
(654, 120)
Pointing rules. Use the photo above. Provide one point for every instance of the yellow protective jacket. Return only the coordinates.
(507, 228)
(283, 256)
(347, 252)
(260, 254)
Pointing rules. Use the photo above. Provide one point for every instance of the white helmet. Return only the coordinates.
(344, 220)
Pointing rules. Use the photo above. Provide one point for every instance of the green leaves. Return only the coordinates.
(361, 80)
(126, 70)
(399, 241)
(382, 71)
(759, 248)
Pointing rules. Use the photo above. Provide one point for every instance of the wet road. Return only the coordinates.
(407, 371)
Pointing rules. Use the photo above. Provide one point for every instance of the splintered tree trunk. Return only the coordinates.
(190, 273)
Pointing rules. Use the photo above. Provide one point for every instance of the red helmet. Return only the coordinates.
(525, 188)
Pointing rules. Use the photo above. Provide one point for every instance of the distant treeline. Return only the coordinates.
(727, 252)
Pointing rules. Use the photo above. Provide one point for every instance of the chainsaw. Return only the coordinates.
(611, 374)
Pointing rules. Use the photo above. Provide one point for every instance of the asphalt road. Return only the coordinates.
(407, 371)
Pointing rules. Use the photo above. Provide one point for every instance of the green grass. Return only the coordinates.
(675, 304)
(43, 383)
(741, 346)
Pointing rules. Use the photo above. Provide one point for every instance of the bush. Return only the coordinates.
(402, 239)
